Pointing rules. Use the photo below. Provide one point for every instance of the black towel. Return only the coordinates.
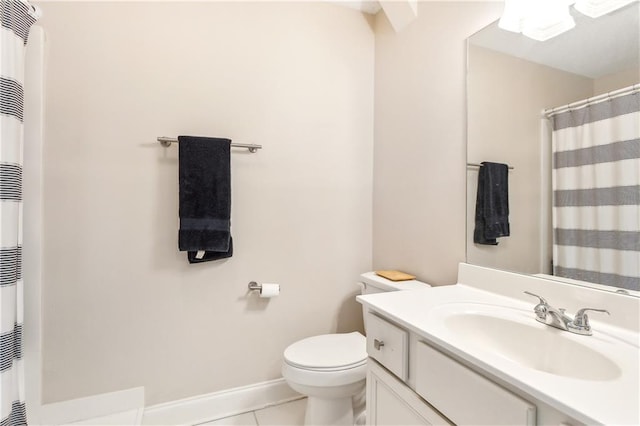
(205, 198)
(492, 203)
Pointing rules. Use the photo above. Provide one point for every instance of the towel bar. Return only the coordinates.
(165, 141)
(480, 165)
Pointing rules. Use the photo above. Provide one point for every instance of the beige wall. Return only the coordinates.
(122, 307)
(504, 94)
(616, 81)
(420, 139)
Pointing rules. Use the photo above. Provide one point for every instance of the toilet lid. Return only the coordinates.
(328, 352)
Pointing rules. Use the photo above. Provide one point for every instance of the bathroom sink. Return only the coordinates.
(516, 336)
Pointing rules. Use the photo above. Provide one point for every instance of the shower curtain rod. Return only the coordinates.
(548, 113)
(165, 141)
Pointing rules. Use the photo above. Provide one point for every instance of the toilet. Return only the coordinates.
(330, 369)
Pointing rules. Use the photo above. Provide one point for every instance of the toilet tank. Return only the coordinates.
(371, 283)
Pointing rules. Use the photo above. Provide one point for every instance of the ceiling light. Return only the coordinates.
(511, 19)
(537, 19)
(597, 8)
(547, 19)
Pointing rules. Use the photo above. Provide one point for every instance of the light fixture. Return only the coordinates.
(537, 19)
(597, 8)
(512, 15)
(547, 19)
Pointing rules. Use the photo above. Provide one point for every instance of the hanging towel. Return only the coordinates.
(492, 203)
(205, 198)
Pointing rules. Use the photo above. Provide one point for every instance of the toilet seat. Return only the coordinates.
(324, 378)
(326, 360)
(328, 352)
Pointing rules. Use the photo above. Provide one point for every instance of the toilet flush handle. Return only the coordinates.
(378, 344)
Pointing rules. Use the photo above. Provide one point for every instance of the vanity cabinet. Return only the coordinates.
(473, 354)
(411, 382)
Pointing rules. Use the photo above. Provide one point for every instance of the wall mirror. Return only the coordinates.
(511, 80)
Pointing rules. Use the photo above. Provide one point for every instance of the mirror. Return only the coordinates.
(511, 80)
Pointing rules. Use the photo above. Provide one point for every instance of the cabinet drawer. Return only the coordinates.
(464, 396)
(388, 344)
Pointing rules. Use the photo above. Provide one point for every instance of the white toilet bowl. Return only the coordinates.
(330, 370)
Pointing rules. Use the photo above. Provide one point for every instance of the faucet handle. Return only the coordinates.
(541, 309)
(582, 320)
(542, 299)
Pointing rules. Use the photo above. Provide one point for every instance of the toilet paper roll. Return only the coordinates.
(270, 290)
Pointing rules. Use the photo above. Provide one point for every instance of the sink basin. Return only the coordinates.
(515, 335)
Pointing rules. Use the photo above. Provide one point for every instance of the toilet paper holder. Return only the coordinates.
(254, 286)
(265, 290)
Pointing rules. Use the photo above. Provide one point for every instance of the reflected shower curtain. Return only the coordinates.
(596, 192)
(17, 17)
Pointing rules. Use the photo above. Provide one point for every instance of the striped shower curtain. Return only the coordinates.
(17, 17)
(596, 192)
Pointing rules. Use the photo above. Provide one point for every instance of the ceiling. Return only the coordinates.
(594, 48)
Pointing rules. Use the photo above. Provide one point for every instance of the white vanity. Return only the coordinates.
(473, 353)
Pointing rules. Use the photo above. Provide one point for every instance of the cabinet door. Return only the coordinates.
(391, 403)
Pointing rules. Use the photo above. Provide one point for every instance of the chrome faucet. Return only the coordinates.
(556, 317)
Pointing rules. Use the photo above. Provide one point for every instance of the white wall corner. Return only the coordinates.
(400, 13)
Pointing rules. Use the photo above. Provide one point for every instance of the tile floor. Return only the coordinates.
(287, 414)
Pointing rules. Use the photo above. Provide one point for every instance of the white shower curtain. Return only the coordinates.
(596, 192)
(17, 16)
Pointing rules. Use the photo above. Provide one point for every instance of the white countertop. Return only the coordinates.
(613, 401)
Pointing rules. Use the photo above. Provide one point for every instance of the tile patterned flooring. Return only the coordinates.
(287, 414)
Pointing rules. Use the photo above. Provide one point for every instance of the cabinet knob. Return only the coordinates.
(378, 344)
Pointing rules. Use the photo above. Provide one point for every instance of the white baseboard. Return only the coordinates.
(203, 408)
(127, 406)
(101, 407)
(128, 418)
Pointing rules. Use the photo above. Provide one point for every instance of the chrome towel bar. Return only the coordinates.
(165, 141)
(480, 165)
